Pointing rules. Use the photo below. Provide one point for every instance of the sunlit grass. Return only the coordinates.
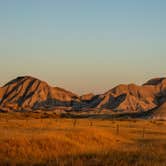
(31, 141)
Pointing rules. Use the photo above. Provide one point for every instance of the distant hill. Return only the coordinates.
(29, 94)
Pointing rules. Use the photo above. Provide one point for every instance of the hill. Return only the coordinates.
(31, 94)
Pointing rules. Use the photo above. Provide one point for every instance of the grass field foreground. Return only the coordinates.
(50, 141)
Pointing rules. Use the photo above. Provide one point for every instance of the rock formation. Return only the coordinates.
(28, 93)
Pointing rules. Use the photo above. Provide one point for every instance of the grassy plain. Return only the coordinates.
(34, 140)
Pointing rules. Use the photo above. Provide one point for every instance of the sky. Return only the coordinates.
(83, 45)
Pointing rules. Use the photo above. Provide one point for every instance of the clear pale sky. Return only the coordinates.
(83, 45)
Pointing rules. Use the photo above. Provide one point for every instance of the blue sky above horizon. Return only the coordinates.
(82, 45)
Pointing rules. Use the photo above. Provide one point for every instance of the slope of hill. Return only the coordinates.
(160, 113)
(132, 98)
(29, 93)
(1, 92)
(129, 98)
(87, 97)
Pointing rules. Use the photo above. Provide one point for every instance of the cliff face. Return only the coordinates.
(29, 93)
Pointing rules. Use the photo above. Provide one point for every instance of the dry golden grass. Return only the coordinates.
(30, 141)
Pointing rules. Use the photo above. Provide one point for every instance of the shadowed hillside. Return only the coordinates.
(160, 113)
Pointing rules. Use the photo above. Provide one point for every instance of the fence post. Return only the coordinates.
(117, 129)
(143, 132)
(7, 120)
(74, 123)
(91, 123)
